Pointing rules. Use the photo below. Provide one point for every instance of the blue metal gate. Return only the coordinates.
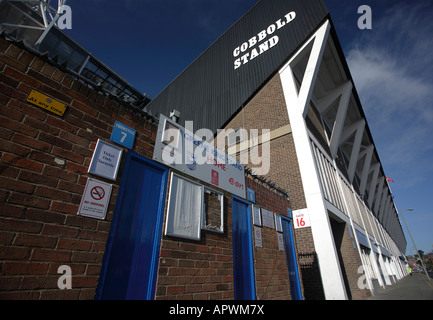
(131, 258)
(243, 260)
(292, 263)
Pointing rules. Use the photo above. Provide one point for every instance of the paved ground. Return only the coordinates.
(415, 287)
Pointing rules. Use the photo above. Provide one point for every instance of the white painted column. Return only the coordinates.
(371, 193)
(360, 125)
(343, 92)
(366, 168)
(379, 195)
(332, 278)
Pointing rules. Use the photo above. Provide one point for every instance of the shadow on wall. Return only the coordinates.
(311, 279)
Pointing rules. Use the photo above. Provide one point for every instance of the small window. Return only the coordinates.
(213, 211)
(192, 207)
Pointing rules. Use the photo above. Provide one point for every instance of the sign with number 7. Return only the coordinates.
(123, 135)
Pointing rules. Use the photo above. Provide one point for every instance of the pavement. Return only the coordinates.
(415, 287)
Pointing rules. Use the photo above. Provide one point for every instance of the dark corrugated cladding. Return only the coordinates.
(211, 89)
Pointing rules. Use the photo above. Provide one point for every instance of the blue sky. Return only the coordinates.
(150, 42)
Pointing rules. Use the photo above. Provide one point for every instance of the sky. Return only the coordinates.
(150, 42)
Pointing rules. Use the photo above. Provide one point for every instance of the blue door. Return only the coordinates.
(131, 258)
(242, 250)
(292, 263)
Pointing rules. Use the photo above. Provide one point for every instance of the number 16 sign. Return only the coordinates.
(301, 219)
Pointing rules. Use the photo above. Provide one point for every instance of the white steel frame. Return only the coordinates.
(323, 182)
(48, 12)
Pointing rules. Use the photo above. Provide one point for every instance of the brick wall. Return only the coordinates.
(309, 265)
(204, 269)
(197, 270)
(267, 110)
(43, 164)
(44, 160)
(350, 260)
(270, 263)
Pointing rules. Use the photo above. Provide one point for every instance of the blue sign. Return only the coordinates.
(251, 195)
(289, 213)
(123, 135)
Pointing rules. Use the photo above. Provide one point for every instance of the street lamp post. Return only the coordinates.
(422, 263)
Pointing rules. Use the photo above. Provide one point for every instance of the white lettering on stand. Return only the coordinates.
(261, 36)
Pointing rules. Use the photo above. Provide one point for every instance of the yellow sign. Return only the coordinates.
(47, 103)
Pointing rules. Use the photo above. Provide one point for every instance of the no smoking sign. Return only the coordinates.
(97, 193)
(96, 198)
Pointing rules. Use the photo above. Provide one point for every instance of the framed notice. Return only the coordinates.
(185, 205)
(280, 241)
(106, 160)
(278, 224)
(257, 220)
(268, 219)
(258, 240)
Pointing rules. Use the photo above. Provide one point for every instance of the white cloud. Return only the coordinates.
(391, 68)
(389, 89)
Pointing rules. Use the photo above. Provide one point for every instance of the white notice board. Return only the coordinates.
(106, 160)
(258, 237)
(182, 150)
(280, 241)
(278, 223)
(95, 200)
(268, 218)
(257, 220)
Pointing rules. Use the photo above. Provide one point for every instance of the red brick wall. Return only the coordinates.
(350, 260)
(204, 269)
(44, 160)
(270, 264)
(43, 170)
(198, 270)
(267, 110)
(309, 265)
